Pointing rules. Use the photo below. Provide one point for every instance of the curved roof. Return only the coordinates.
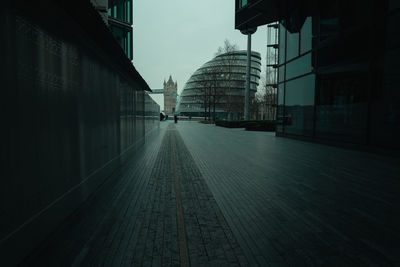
(226, 74)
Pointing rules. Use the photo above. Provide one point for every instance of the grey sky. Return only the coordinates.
(177, 36)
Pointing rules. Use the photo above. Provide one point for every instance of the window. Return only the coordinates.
(280, 114)
(306, 36)
(120, 9)
(299, 66)
(123, 35)
(342, 106)
(242, 3)
(282, 43)
(281, 73)
(299, 105)
(292, 45)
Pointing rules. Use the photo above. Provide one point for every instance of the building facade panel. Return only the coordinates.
(353, 61)
(71, 112)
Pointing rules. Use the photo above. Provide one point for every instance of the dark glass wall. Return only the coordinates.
(385, 110)
(296, 87)
(342, 106)
(299, 105)
(70, 112)
(348, 70)
(351, 95)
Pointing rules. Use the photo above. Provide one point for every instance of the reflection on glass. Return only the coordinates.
(299, 66)
(306, 36)
(280, 115)
(292, 45)
(282, 44)
(328, 27)
(281, 73)
(299, 105)
(281, 94)
(342, 107)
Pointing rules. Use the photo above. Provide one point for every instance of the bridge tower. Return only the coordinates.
(170, 96)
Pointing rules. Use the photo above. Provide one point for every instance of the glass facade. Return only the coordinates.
(306, 36)
(292, 42)
(120, 22)
(299, 105)
(120, 10)
(296, 87)
(280, 119)
(299, 66)
(353, 49)
(342, 106)
(334, 81)
(282, 44)
(123, 35)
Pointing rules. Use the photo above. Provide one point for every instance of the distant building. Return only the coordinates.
(158, 96)
(117, 14)
(170, 96)
(222, 78)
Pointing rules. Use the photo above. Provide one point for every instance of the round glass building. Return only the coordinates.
(220, 85)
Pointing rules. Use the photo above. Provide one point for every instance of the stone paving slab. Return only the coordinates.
(133, 219)
(294, 203)
(246, 199)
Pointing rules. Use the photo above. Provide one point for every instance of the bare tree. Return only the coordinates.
(232, 103)
(271, 74)
(264, 104)
(203, 91)
(210, 90)
(257, 107)
(270, 87)
(215, 83)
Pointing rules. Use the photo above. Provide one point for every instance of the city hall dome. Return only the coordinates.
(220, 84)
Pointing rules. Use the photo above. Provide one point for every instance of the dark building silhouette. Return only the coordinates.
(338, 71)
(74, 109)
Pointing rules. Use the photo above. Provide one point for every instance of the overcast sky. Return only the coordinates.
(176, 37)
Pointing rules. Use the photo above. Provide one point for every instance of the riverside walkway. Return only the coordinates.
(201, 195)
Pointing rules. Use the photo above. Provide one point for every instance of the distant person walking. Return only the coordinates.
(176, 118)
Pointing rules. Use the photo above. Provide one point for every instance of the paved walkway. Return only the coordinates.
(202, 195)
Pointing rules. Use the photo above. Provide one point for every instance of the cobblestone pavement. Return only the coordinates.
(160, 213)
(202, 195)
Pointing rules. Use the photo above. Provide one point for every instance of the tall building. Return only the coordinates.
(170, 96)
(338, 73)
(117, 14)
(88, 112)
(223, 79)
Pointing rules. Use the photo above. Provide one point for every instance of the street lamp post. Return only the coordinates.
(248, 32)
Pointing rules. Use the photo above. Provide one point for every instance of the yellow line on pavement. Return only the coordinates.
(183, 251)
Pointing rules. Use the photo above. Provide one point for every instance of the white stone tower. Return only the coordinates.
(170, 96)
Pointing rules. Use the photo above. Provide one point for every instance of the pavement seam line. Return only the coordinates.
(183, 251)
